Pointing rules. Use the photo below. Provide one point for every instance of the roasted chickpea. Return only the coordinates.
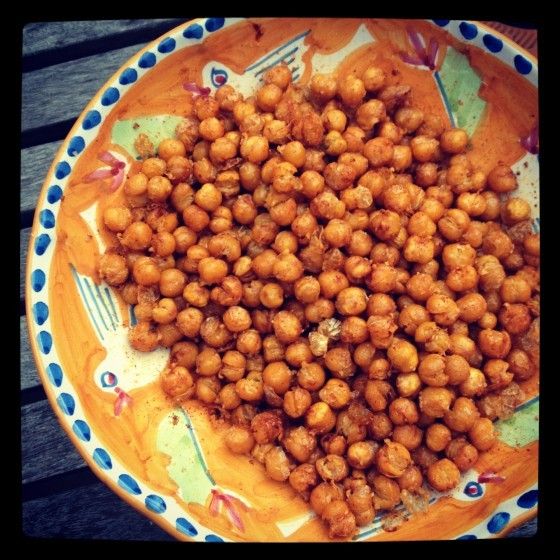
(502, 179)
(443, 475)
(435, 401)
(320, 418)
(482, 434)
(393, 459)
(462, 453)
(454, 141)
(462, 416)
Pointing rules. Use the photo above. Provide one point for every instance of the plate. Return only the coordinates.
(169, 462)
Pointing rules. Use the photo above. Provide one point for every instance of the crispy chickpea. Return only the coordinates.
(411, 479)
(453, 224)
(520, 364)
(189, 321)
(386, 491)
(288, 268)
(339, 361)
(408, 435)
(351, 301)
(494, 344)
(319, 310)
(248, 342)
(117, 218)
(419, 249)
(287, 326)
(137, 236)
(424, 149)
(373, 78)
(279, 75)
(298, 352)
(320, 418)
(491, 273)
(454, 141)
(153, 167)
(143, 337)
(277, 464)
(113, 269)
(456, 369)
(377, 394)
(437, 437)
(239, 440)
(403, 411)
(323, 87)
(482, 434)
(370, 113)
(351, 90)
(403, 355)
(303, 478)
(435, 401)
(408, 384)
(332, 468)
(311, 376)
(307, 289)
(502, 179)
(515, 289)
(498, 244)
(214, 333)
(237, 319)
(532, 244)
(278, 376)
(379, 151)
(462, 416)
(515, 318)
(336, 393)
(323, 494)
(177, 382)
(233, 366)
(443, 475)
(462, 453)
(300, 443)
(296, 402)
(393, 459)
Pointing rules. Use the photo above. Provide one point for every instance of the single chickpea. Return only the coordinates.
(296, 402)
(403, 411)
(336, 393)
(370, 113)
(311, 376)
(403, 355)
(351, 90)
(409, 118)
(113, 269)
(482, 434)
(502, 179)
(393, 459)
(435, 401)
(351, 301)
(177, 382)
(462, 453)
(239, 440)
(373, 78)
(153, 167)
(494, 344)
(319, 418)
(454, 141)
(254, 148)
(424, 149)
(379, 151)
(443, 475)
(438, 437)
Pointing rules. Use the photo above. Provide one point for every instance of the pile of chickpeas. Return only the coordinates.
(337, 281)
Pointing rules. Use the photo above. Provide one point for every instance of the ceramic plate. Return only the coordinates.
(168, 462)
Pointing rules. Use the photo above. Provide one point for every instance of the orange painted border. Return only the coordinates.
(155, 518)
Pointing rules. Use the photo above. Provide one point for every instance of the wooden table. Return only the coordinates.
(64, 64)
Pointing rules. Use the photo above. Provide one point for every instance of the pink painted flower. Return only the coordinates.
(123, 399)
(490, 477)
(196, 90)
(114, 171)
(422, 57)
(221, 500)
(531, 141)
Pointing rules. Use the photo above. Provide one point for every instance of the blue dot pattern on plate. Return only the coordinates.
(110, 96)
(147, 60)
(493, 44)
(91, 120)
(529, 499)
(213, 538)
(76, 145)
(193, 31)
(46, 219)
(185, 527)
(498, 522)
(101, 457)
(441, 22)
(44, 340)
(522, 65)
(129, 76)
(41, 244)
(467, 538)
(81, 429)
(54, 372)
(126, 482)
(66, 403)
(62, 170)
(468, 30)
(167, 45)
(155, 503)
(54, 194)
(215, 23)
(40, 312)
(37, 280)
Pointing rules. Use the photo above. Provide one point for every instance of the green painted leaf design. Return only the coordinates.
(522, 428)
(156, 128)
(460, 84)
(186, 467)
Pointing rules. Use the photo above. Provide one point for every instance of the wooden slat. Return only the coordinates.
(88, 512)
(42, 38)
(46, 449)
(24, 235)
(29, 375)
(35, 163)
(60, 92)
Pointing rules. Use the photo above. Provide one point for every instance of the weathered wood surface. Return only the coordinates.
(29, 376)
(46, 449)
(35, 163)
(89, 512)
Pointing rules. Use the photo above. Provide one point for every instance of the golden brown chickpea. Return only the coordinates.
(136, 185)
(498, 244)
(113, 269)
(377, 394)
(307, 289)
(403, 411)
(319, 311)
(515, 289)
(239, 440)
(303, 478)
(351, 301)
(379, 151)
(443, 475)
(454, 141)
(298, 352)
(233, 365)
(336, 393)
(332, 468)
(370, 113)
(153, 167)
(502, 179)
(248, 342)
(277, 464)
(453, 224)
(177, 382)
(408, 384)
(137, 236)
(438, 437)
(287, 326)
(117, 218)
(435, 401)
(520, 364)
(323, 494)
(497, 373)
(300, 443)
(420, 286)
(419, 249)
(143, 337)
(351, 90)
(408, 435)
(319, 418)
(393, 459)
(287, 268)
(373, 78)
(515, 318)
(386, 491)
(494, 344)
(462, 453)
(421, 224)
(361, 455)
(424, 149)
(214, 333)
(403, 355)
(482, 434)
(463, 415)
(311, 376)
(474, 385)
(278, 376)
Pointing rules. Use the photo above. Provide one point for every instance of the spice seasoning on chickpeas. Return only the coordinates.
(329, 269)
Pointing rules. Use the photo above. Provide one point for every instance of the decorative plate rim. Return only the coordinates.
(180, 31)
